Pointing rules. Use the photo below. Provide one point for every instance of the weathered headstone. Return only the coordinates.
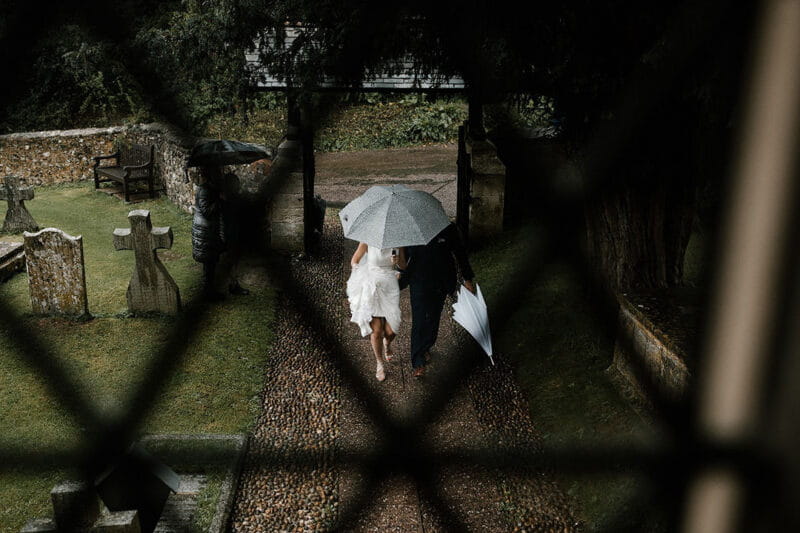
(56, 274)
(151, 289)
(18, 218)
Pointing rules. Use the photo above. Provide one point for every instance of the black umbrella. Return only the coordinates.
(223, 152)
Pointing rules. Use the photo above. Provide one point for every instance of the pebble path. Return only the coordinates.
(323, 446)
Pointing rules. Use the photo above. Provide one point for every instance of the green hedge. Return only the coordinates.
(388, 124)
(369, 122)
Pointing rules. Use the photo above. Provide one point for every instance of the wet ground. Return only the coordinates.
(341, 176)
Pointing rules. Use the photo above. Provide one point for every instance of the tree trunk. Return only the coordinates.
(637, 236)
(639, 222)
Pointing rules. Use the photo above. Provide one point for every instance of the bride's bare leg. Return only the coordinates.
(388, 336)
(376, 340)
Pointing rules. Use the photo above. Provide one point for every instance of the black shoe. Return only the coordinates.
(235, 288)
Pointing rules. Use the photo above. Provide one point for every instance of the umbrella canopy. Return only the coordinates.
(471, 313)
(393, 216)
(223, 152)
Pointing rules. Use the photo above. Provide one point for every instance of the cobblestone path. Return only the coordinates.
(316, 444)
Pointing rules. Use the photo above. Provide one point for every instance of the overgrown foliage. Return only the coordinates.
(196, 53)
(393, 123)
(75, 81)
(354, 122)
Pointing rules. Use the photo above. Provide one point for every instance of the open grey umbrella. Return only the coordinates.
(224, 152)
(393, 216)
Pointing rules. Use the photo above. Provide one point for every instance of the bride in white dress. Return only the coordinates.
(374, 297)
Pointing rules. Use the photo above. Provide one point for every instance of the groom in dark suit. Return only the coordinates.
(431, 276)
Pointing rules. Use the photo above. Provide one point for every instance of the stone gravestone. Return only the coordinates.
(12, 259)
(151, 287)
(18, 218)
(56, 274)
(75, 504)
(138, 481)
(76, 508)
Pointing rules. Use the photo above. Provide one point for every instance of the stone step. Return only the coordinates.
(181, 507)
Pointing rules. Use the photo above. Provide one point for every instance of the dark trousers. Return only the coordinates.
(426, 310)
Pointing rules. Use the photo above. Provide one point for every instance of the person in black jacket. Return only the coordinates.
(207, 229)
(431, 276)
(215, 229)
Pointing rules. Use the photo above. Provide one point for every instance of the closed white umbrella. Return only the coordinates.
(471, 313)
(393, 216)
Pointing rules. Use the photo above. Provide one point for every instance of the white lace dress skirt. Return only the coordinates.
(373, 291)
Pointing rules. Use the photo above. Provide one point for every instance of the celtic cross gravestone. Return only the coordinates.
(151, 289)
(18, 218)
(56, 274)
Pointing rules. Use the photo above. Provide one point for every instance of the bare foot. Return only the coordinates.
(388, 353)
(380, 373)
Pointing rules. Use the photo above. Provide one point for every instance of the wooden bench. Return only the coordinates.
(133, 163)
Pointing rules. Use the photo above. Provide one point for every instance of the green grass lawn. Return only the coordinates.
(215, 389)
(560, 354)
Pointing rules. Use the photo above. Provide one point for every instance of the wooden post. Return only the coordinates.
(477, 131)
(309, 172)
(462, 184)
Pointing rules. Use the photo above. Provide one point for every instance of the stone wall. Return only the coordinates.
(656, 336)
(51, 157)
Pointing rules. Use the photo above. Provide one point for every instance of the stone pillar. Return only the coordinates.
(487, 184)
(285, 207)
(56, 274)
